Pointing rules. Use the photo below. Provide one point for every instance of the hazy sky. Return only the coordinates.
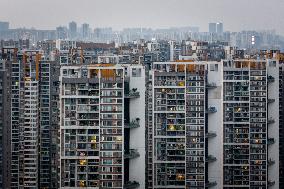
(235, 14)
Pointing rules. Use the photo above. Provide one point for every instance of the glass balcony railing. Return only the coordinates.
(270, 120)
(270, 162)
(133, 153)
(270, 79)
(270, 183)
(210, 184)
(270, 100)
(211, 85)
(132, 124)
(131, 184)
(211, 109)
(210, 134)
(270, 141)
(210, 158)
(132, 94)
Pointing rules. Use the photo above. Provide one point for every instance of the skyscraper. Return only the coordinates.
(219, 28)
(212, 27)
(281, 120)
(102, 133)
(250, 123)
(85, 31)
(216, 28)
(4, 26)
(28, 108)
(73, 30)
(177, 130)
(61, 32)
(187, 104)
(5, 119)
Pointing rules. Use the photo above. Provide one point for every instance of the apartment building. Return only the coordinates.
(102, 126)
(5, 130)
(213, 124)
(27, 131)
(177, 130)
(251, 123)
(281, 122)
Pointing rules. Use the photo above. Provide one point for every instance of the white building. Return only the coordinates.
(102, 126)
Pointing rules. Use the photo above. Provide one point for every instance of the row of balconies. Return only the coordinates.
(132, 153)
(170, 83)
(270, 120)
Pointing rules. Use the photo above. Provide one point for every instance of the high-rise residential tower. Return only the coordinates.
(214, 124)
(28, 108)
(219, 28)
(102, 126)
(72, 30)
(177, 126)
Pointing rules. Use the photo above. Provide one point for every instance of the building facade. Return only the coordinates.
(177, 131)
(213, 124)
(102, 109)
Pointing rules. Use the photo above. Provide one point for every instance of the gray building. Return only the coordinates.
(4, 26)
(5, 119)
(72, 30)
(29, 158)
(212, 27)
(219, 28)
(85, 31)
(102, 126)
(61, 32)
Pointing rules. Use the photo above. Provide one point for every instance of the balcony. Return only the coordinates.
(210, 158)
(132, 94)
(211, 85)
(211, 109)
(133, 153)
(131, 184)
(270, 162)
(210, 134)
(270, 79)
(270, 183)
(270, 141)
(270, 100)
(270, 120)
(132, 124)
(210, 184)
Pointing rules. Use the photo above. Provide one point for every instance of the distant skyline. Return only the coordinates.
(236, 15)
